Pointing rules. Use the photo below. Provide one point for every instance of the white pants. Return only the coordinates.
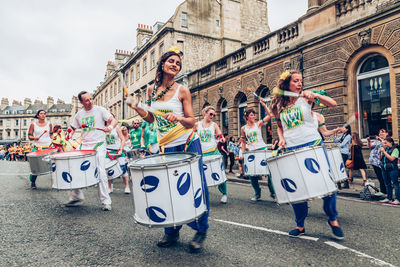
(103, 191)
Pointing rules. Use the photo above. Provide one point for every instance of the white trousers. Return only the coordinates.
(102, 187)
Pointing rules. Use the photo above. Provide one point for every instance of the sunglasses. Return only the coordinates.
(212, 114)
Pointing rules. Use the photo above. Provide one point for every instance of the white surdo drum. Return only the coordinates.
(301, 175)
(38, 163)
(74, 169)
(337, 165)
(167, 189)
(255, 162)
(214, 170)
(113, 169)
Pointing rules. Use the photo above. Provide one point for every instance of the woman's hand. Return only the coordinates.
(282, 143)
(132, 101)
(381, 149)
(310, 96)
(172, 117)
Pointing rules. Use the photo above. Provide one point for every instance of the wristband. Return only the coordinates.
(276, 119)
(145, 116)
(320, 125)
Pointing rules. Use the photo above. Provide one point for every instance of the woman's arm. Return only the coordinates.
(122, 138)
(267, 118)
(218, 133)
(323, 99)
(243, 139)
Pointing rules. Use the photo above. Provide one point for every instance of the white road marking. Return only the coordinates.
(330, 243)
(14, 174)
(360, 254)
(265, 229)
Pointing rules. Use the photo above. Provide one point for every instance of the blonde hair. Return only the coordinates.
(207, 109)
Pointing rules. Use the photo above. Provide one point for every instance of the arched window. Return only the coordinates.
(242, 108)
(374, 95)
(224, 117)
(266, 130)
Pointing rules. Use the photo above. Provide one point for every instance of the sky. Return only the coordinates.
(58, 48)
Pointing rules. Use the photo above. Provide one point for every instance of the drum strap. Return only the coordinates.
(189, 141)
(176, 132)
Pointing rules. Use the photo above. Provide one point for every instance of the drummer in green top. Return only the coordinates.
(149, 137)
(136, 134)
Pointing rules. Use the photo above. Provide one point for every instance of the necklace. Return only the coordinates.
(154, 98)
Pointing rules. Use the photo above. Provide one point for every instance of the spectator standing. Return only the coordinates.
(223, 149)
(389, 155)
(231, 150)
(375, 161)
(345, 142)
(359, 163)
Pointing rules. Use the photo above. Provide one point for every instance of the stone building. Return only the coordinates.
(350, 48)
(203, 29)
(15, 119)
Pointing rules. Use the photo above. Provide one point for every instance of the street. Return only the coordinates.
(37, 230)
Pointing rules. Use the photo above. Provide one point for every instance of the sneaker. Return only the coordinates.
(127, 190)
(73, 203)
(224, 198)
(379, 194)
(273, 196)
(197, 242)
(33, 185)
(384, 201)
(336, 232)
(231, 173)
(168, 240)
(346, 185)
(106, 207)
(238, 175)
(297, 232)
(255, 198)
(395, 202)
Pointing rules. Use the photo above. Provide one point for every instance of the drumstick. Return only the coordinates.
(259, 97)
(277, 91)
(85, 126)
(351, 119)
(275, 152)
(45, 131)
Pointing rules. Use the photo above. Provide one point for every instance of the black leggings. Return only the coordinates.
(231, 160)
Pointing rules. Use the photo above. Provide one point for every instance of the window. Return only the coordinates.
(25, 122)
(16, 122)
(7, 112)
(374, 96)
(131, 76)
(138, 71)
(16, 133)
(184, 19)
(180, 45)
(242, 109)
(161, 49)
(8, 134)
(152, 60)
(145, 65)
(217, 22)
(8, 124)
(24, 135)
(1, 135)
(29, 111)
(224, 117)
(1, 122)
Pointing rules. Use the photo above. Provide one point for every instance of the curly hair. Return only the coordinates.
(247, 113)
(207, 109)
(279, 102)
(160, 63)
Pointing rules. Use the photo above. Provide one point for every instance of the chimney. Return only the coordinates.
(37, 101)
(143, 33)
(27, 102)
(16, 103)
(50, 102)
(59, 101)
(4, 103)
(313, 4)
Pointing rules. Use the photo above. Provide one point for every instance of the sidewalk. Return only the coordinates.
(353, 191)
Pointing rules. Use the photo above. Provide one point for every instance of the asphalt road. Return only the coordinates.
(37, 230)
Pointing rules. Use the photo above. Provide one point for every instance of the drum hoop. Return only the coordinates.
(257, 152)
(170, 224)
(134, 165)
(62, 189)
(74, 157)
(42, 155)
(157, 167)
(293, 152)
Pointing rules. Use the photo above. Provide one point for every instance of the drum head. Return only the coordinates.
(73, 154)
(211, 158)
(163, 159)
(42, 152)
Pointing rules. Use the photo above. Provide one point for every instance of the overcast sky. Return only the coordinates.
(59, 47)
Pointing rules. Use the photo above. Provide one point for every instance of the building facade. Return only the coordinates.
(350, 49)
(203, 30)
(16, 119)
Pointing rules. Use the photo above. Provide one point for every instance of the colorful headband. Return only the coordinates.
(284, 75)
(176, 50)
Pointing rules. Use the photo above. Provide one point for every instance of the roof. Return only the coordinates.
(60, 108)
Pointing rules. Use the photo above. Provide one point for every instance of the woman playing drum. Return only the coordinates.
(115, 143)
(251, 132)
(39, 132)
(175, 122)
(208, 130)
(297, 131)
